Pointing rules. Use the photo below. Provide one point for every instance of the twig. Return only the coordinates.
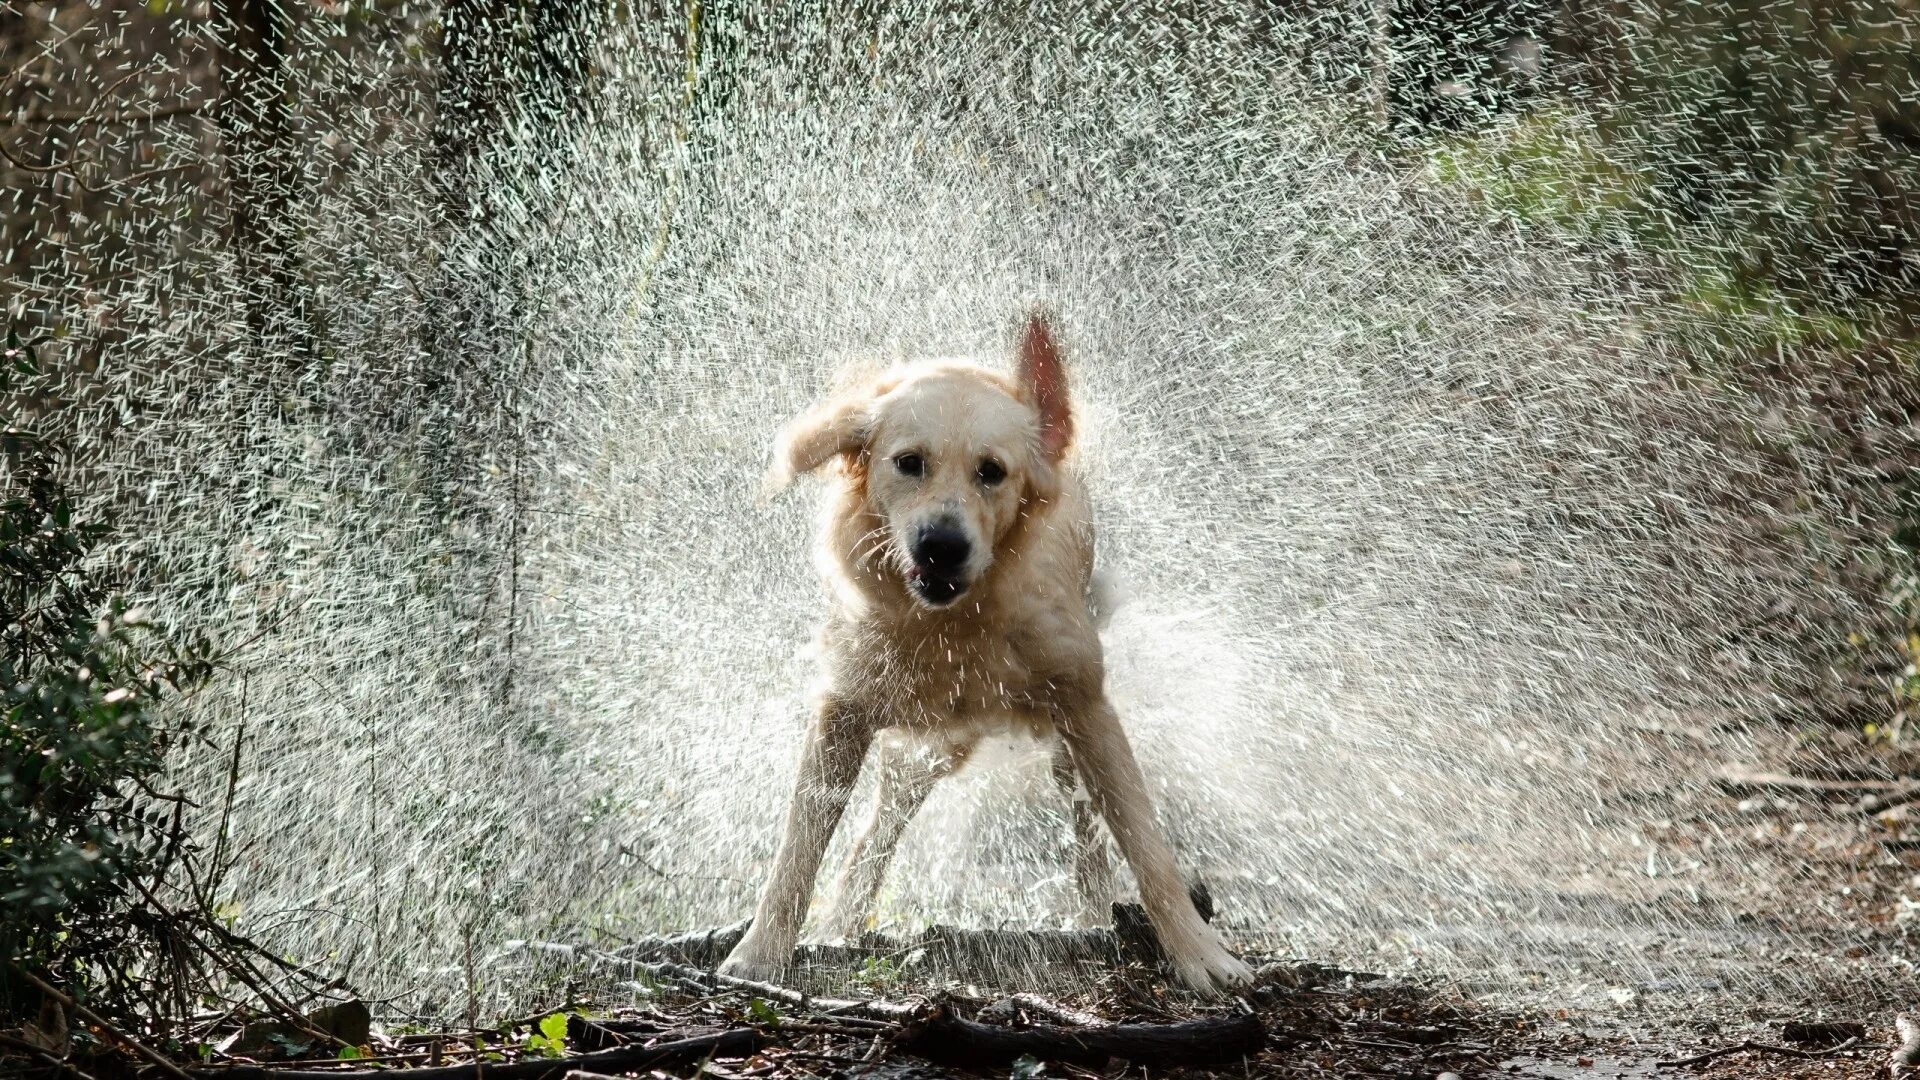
(58, 166)
(226, 804)
(96, 1020)
(1735, 783)
(1052, 1010)
(737, 1042)
(1887, 800)
(506, 1027)
(1759, 1048)
(472, 979)
(92, 117)
(235, 965)
(708, 982)
(43, 1054)
(433, 1057)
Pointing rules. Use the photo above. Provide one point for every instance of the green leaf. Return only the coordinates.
(350, 1053)
(290, 1042)
(555, 1029)
(763, 1013)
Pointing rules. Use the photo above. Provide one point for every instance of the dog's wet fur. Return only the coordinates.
(958, 547)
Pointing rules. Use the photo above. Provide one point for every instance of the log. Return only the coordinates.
(701, 948)
(736, 1043)
(948, 948)
(951, 1040)
(1822, 1032)
(945, 947)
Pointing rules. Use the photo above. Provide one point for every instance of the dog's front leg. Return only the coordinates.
(830, 762)
(1092, 731)
(1092, 865)
(908, 769)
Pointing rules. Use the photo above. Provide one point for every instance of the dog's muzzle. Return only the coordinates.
(940, 553)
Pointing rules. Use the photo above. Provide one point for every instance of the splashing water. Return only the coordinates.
(1427, 527)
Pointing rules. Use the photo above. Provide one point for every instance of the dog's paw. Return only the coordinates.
(751, 968)
(1212, 971)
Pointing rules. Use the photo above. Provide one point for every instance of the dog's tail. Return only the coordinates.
(1104, 597)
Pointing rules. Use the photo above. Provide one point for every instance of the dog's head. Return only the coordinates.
(948, 458)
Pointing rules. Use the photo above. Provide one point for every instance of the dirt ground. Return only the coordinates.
(1825, 898)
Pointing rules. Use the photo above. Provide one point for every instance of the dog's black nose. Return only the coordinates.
(942, 549)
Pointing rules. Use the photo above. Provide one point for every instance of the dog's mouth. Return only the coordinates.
(934, 589)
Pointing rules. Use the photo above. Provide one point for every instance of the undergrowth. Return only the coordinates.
(88, 836)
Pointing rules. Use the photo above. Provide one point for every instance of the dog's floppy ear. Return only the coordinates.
(837, 426)
(1043, 382)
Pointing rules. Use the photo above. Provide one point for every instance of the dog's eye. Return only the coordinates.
(990, 472)
(910, 464)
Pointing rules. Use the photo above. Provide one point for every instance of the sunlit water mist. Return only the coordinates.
(1417, 520)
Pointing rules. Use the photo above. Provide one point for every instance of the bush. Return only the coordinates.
(1791, 130)
(82, 825)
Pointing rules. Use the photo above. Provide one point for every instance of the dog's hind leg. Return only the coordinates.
(908, 769)
(1092, 862)
(830, 762)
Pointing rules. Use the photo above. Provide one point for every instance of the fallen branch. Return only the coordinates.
(1887, 800)
(940, 1036)
(1759, 1048)
(948, 1039)
(153, 1057)
(709, 982)
(1131, 939)
(1010, 1009)
(40, 1053)
(1763, 783)
(734, 1043)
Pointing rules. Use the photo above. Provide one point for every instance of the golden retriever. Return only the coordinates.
(959, 550)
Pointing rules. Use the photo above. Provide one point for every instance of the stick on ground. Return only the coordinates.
(153, 1057)
(1887, 800)
(738, 1042)
(1758, 1048)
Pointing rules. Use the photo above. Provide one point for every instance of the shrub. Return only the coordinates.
(82, 824)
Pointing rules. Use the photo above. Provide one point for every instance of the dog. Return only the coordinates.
(958, 547)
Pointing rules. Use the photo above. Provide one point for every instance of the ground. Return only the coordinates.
(1824, 901)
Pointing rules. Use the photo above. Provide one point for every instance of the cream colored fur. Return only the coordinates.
(1018, 646)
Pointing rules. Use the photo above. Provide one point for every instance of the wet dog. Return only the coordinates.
(958, 547)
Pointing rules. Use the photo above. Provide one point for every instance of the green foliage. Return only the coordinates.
(879, 971)
(760, 1012)
(550, 1039)
(1549, 167)
(80, 744)
(1791, 130)
(1555, 168)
